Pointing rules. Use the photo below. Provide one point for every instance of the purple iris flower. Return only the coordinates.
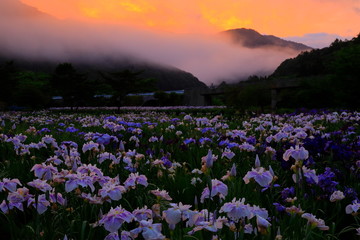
(142, 214)
(41, 205)
(9, 184)
(189, 140)
(203, 140)
(149, 230)
(41, 185)
(103, 139)
(70, 144)
(167, 163)
(44, 130)
(260, 175)
(111, 118)
(223, 142)
(251, 140)
(288, 193)
(76, 180)
(279, 207)
(106, 155)
(135, 178)
(209, 159)
(350, 193)
(218, 188)
(326, 181)
(113, 236)
(112, 191)
(298, 153)
(113, 220)
(131, 169)
(130, 129)
(43, 171)
(57, 198)
(208, 129)
(232, 145)
(237, 209)
(71, 129)
(90, 170)
(16, 199)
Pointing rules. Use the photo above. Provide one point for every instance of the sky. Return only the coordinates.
(177, 33)
(282, 18)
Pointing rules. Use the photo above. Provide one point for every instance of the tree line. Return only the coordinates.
(330, 78)
(33, 89)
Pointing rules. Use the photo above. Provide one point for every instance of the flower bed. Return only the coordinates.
(154, 175)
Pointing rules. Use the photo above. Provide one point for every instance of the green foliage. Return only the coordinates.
(125, 82)
(24, 88)
(347, 61)
(331, 77)
(133, 100)
(218, 101)
(78, 220)
(346, 75)
(75, 88)
(32, 89)
(8, 82)
(168, 99)
(255, 97)
(312, 93)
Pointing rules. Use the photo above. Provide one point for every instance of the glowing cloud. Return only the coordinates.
(187, 38)
(278, 17)
(208, 57)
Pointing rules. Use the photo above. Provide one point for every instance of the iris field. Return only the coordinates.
(179, 174)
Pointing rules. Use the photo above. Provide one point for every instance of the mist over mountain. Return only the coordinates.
(36, 56)
(329, 77)
(252, 39)
(27, 38)
(167, 78)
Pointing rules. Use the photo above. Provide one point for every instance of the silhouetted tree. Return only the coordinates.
(125, 82)
(33, 89)
(346, 76)
(254, 96)
(331, 76)
(75, 88)
(169, 99)
(8, 82)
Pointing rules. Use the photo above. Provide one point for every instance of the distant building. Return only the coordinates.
(106, 96)
(149, 98)
(191, 97)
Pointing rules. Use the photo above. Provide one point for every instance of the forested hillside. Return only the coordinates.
(340, 57)
(330, 76)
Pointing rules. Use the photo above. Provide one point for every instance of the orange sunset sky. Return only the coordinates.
(282, 18)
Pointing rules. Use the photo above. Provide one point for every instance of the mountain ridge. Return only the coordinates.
(250, 38)
(320, 61)
(16, 9)
(51, 48)
(168, 78)
(43, 60)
